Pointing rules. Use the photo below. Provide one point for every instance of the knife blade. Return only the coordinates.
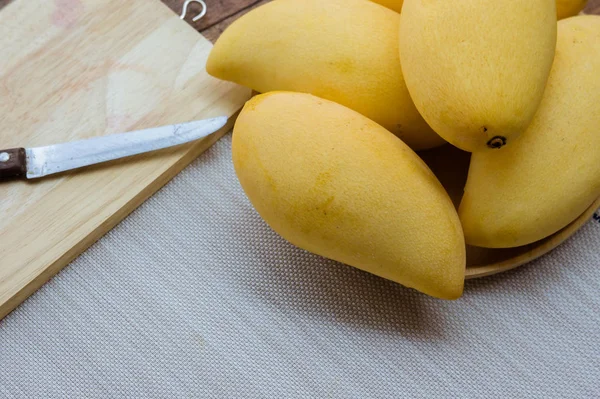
(36, 162)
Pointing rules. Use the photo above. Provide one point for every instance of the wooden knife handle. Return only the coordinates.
(12, 163)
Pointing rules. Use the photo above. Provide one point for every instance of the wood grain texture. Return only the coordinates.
(593, 7)
(212, 33)
(218, 10)
(81, 68)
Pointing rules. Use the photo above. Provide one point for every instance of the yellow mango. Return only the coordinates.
(337, 184)
(551, 174)
(341, 50)
(395, 5)
(477, 70)
(569, 8)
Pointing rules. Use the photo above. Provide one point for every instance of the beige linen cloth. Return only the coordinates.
(193, 296)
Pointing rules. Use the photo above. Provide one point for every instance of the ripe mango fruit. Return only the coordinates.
(477, 70)
(395, 5)
(551, 174)
(569, 8)
(342, 50)
(337, 184)
(564, 8)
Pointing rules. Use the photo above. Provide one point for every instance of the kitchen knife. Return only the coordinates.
(37, 162)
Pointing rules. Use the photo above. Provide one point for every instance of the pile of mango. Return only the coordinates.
(351, 89)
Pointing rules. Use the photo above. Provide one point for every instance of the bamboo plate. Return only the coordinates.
(451, 166)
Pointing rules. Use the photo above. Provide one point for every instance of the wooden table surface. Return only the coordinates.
(221, 13)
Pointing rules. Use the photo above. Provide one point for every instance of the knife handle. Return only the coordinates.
(12, 163)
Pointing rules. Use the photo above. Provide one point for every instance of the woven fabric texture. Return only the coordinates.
(194, 296)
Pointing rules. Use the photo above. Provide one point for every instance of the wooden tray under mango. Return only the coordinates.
(451, 166)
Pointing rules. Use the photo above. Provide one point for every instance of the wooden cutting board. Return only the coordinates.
(74, 69)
